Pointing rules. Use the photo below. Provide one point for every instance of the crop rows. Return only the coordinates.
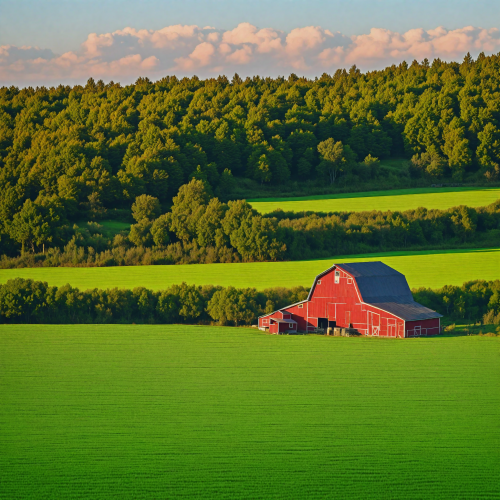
(207, 412)
(428, 269)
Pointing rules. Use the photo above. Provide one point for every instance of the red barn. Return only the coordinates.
(370, 297)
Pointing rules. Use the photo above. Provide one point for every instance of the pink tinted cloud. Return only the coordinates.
(189, 49)
(199, 58)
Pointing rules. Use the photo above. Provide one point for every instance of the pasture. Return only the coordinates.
(401, 199)
(209, 412)
(432, 269)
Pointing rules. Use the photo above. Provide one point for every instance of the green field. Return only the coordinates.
(206, 412)
(427, 268)
(107, 228)
(401, 199)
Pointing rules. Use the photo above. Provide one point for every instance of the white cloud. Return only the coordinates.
(126, 54)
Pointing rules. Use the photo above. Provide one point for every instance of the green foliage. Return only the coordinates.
(31, 225)
(335, 158)
(140, 233)
(29, 301)
(99, 147)
(474, 301)
(230, 305)
(145, 207)
(160, 230)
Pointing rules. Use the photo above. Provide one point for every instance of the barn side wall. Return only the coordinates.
(427, 327)
(379, 323)
(299, 314)
(264, 321)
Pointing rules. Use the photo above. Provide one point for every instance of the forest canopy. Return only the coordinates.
(70, 153)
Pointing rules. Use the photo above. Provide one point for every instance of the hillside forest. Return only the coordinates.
(83, 153)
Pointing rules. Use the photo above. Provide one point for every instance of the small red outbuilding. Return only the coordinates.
(371, 297)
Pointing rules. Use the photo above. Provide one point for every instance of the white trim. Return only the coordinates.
(283, 309)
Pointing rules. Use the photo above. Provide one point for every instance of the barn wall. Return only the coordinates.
(265, 322)
(338, 302)
(274, 328)
(427, 327)
(299, 314)
(388, 324)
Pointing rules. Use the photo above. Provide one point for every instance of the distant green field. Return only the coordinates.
(114, 225)
(429, 269)
(188, 412)
(108, 227)
(402, 199)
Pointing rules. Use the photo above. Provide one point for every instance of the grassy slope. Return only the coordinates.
(426, 268)
(109, 227)
(207, 412)
(402, 199)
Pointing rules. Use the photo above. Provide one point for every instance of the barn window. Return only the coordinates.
(291, 325)
(337, 276)
(349, 281)
(301, 306)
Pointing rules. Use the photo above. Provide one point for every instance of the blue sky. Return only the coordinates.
(63, 24)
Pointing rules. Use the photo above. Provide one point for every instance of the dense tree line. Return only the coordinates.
(202, 229)
(28, 301)
(69, 153)
(474, 301)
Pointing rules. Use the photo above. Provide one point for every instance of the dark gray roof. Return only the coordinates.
(279, 320)
(412, 311)
(377, 282)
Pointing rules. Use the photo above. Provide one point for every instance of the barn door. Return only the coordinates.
(373, 323)
(348, 319)
(341, 315)
(391, 327)
(331, 312)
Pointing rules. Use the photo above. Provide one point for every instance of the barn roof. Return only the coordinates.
(412, 311)
(279, 320)
(377, 282)
(385, 288)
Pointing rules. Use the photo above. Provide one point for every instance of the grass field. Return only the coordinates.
(402, 199)
(427, 268)
(108, 227)
(205, 412)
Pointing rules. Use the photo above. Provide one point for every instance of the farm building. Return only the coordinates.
(370, 297)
